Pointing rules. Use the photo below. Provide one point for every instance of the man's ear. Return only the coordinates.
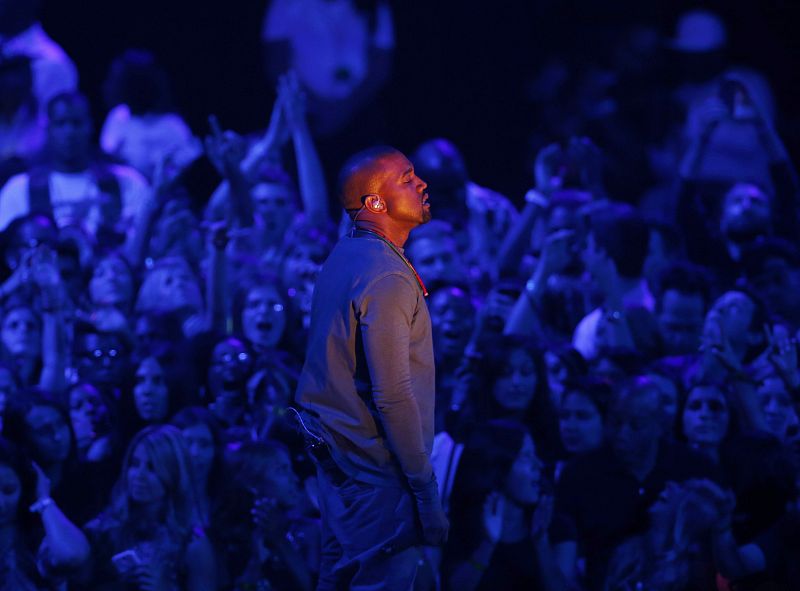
(375, 204)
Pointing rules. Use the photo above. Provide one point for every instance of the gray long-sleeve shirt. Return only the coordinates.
(369, 373)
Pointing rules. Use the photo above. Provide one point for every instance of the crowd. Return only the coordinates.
(616, 360)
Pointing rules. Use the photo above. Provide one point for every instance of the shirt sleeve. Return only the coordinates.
(13, 200)
(387, 313)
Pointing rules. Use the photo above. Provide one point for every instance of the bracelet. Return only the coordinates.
(41, 505)
(534, 196)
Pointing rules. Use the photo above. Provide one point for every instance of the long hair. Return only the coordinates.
(484, 467)
(667, 568)
(167, 452)
(539, 416)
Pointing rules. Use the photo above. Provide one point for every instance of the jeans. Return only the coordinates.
(369, 535)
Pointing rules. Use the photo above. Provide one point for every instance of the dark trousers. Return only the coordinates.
(369, 535)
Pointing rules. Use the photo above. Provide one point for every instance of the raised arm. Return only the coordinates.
(310, 175)
(64, 544)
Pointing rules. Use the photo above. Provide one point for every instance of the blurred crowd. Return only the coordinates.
(616, 352)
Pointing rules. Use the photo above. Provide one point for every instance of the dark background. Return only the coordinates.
(461, 68)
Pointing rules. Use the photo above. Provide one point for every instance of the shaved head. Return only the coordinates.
(360, 175)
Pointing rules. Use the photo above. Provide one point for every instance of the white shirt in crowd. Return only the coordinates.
(75, 197)
(143, 141)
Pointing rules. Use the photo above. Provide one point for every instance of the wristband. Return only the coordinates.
(534, 196)
(41, 505)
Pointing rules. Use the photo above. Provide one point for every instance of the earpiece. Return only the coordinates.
(375, 203)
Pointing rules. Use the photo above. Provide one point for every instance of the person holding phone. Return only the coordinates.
(368, 384)
(150, 537)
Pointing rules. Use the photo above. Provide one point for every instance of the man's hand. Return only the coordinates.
(435, 525)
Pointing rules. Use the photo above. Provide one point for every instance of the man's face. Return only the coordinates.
(746, 212)
(275, 206)
(404, 192)
(230, 367)
(681, 321)
(452, 318)
(102, 360)
(437, 260)
(69, 130)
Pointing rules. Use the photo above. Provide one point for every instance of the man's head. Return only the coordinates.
(435, 254)
(379, 185)
(772, 269)
(681, 308)
(739, 318)
(69, 129)
(452, 318)
(746, 213)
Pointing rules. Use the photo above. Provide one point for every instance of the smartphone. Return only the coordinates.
(126, 561)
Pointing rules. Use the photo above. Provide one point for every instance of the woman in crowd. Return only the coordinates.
(500, 515)
(705, 419)
(582, 414)
(150, 536)
(666, 556)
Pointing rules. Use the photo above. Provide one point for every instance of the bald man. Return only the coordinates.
(368, 384)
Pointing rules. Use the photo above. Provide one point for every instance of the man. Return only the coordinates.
(74, 185)
(368, 384)
(681, 308)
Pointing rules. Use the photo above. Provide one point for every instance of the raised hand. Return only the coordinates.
(294, 100)
(493, 509)
(782, 354)
(269, 520)
(226, 150)
(556, 253)
(42, 483)
(715, 343)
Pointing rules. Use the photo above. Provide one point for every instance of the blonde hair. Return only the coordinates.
(167, 451)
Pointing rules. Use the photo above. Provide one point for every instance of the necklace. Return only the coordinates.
(396, 250)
